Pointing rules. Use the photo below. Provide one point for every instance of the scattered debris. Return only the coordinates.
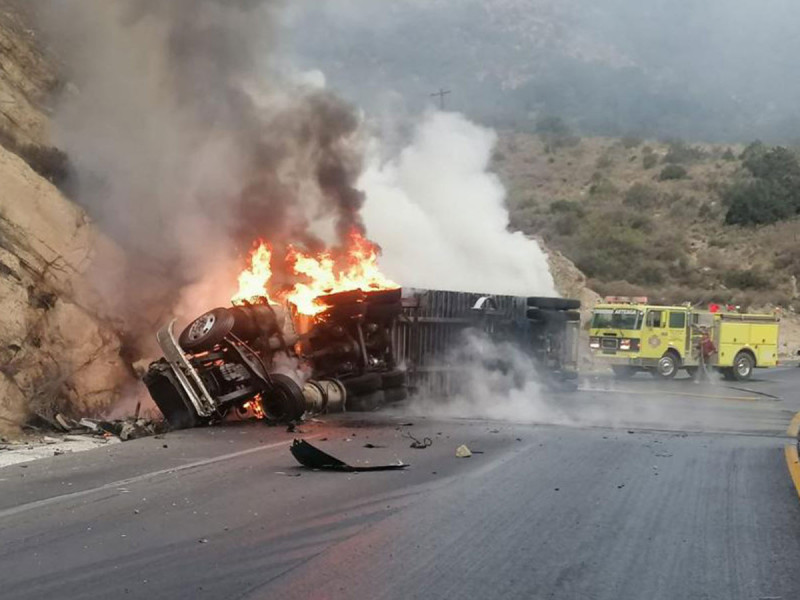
(202, 541)
(417, 444)
(463, 452)
(371, 446)
(314, 458)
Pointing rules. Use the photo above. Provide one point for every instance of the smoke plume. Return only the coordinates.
(188, 142)
(440, 215)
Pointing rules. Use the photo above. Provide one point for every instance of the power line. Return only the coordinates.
(441, 94)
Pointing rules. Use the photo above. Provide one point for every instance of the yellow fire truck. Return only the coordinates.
(632, 336)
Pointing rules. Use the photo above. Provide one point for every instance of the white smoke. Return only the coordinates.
(440, 215)
(497, 380)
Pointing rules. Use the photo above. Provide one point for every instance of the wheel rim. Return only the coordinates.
(743, 366)
(666, 366)
(201, 327)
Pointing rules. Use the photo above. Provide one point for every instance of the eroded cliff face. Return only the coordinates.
(27, 78)
(60, 348)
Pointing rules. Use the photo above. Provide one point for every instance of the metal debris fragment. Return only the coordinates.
(314, 458)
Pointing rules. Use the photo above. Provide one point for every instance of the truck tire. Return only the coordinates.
(395, 395)
(743, 366)
(366, 402)
(207, 330)
(285, 402)
(668, 366)
(393, 379)
(362, 384)
(553, 303)
(553, 316)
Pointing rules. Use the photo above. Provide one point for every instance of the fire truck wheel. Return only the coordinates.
(395, 395)
(285, 401)
(362, 384)
(366, 402)
(667, 366)
(554, 303)
(207, 331)
(743, 366)
(393, 379)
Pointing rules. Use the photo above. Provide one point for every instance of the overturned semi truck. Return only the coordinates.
(366, 350)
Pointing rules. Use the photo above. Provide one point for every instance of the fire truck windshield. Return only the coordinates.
(620, 318)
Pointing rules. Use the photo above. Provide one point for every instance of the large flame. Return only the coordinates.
(253, 280)
(354, 267)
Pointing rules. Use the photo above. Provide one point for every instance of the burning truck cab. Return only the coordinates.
(343, 337)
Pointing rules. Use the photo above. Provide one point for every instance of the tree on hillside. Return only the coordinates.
(772, 195)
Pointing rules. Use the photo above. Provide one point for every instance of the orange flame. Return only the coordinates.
(354, 268)
(253, 281)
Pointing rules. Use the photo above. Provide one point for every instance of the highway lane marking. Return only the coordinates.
(15, 510)
(793, 462)
(794, 426)
(676, 394)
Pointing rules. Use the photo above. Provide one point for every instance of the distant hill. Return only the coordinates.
(610, 206)
(712, 70)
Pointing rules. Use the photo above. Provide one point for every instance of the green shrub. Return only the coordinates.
(630, 141)
(775, 164)
(555, 133)
(673, 172)
(749, 279)
(567, 224)
(681, 153)
(566, 206)
(728, 155)
(759, 202)
(649, 161)
(641, 195)
(603, 187)
(604, 162)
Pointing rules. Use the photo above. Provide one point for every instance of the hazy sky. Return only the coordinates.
(716, 69)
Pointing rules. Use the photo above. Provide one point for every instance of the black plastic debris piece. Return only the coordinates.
(418, 444)
(371, 446)
(314, 458)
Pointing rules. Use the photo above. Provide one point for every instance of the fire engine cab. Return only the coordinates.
(631, 335)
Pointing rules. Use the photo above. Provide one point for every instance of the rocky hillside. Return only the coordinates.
(60, 349)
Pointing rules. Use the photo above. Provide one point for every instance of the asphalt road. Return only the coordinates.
(630, 491)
